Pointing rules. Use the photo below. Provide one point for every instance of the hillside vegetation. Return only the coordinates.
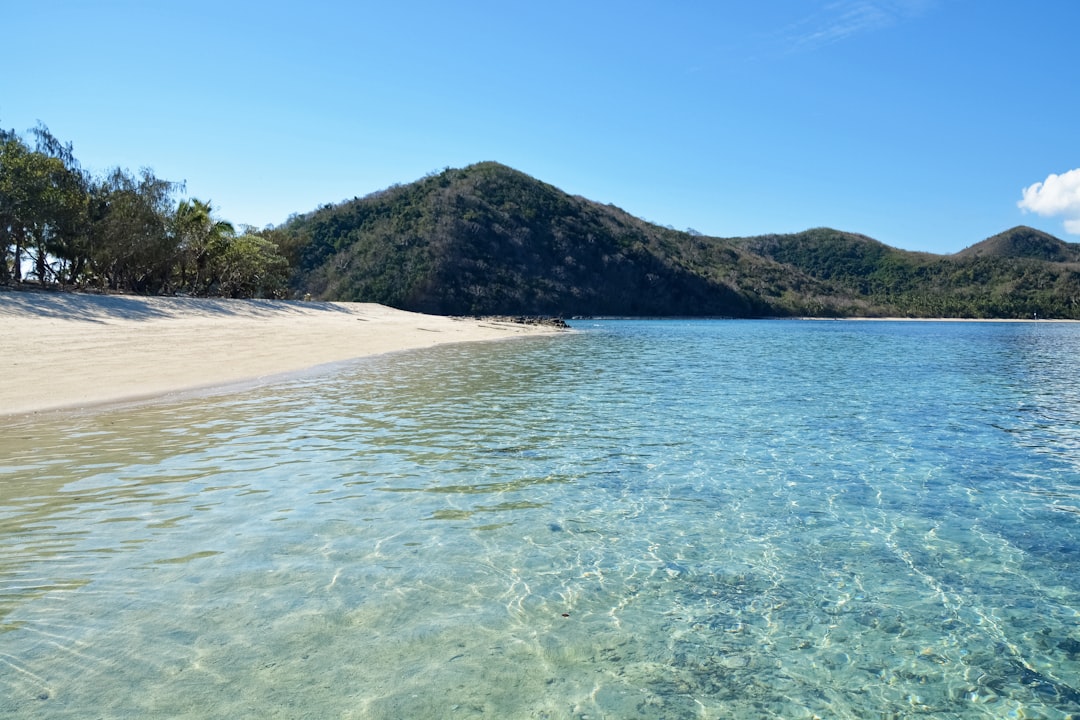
(1021, 273)
(489, 239)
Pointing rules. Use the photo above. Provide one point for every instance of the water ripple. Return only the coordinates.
(644, 519)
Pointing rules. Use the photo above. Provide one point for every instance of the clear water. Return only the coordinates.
(663, 519)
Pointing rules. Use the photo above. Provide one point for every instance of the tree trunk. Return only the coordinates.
(16, 269)
(76, 269)
(39, 264)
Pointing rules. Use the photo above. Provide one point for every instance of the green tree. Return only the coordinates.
(200, 238)
(43, 200)
(61, 240)
(14, 172)
(251, 266)
(131, 247)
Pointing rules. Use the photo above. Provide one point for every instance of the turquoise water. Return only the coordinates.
(644, 519)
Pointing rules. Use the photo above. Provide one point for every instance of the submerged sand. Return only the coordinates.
(70, 350)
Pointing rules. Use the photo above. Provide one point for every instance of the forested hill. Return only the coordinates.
(487, 239)
(1020, 273)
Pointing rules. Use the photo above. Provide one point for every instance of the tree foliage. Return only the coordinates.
(42, 205)
(249, 266)
(200, 238)
(121, 231)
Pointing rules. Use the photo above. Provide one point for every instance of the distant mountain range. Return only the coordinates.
(487, 239)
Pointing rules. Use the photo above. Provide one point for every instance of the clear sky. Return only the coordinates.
(926, 124)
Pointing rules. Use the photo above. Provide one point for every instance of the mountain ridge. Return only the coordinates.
(489, 239)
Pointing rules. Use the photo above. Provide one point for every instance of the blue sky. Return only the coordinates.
(926, 124)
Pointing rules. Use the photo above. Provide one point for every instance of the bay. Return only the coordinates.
(669, 518)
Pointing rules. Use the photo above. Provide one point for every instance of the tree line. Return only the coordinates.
(61, 226)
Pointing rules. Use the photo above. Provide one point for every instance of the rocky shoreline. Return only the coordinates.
(549, 322)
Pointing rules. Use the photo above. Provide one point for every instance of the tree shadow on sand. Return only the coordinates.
(102, 308)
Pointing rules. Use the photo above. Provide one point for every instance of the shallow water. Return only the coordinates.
(644, 519)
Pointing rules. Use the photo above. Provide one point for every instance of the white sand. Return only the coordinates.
(68, 350)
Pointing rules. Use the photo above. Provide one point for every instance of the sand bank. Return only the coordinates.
(69, 350)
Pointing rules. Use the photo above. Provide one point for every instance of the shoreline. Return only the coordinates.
(845, 318)
(69, 351)
(945, 319)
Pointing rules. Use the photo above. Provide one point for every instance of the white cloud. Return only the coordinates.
(1057, 195)
(841, 19)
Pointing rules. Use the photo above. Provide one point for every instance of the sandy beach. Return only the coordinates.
(69, 350)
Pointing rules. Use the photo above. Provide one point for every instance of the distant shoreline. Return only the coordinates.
(64, 350)
(812, 318)
(949, 319)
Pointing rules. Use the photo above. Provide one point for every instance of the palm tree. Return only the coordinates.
(201, 237)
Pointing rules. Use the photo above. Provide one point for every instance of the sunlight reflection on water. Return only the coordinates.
(645, 519)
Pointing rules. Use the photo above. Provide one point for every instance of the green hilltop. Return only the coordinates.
(487, 239)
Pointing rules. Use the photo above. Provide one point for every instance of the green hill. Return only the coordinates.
(1023, 242)
(487, 239)
(1020, 273)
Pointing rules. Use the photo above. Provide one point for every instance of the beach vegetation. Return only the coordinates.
(120, 231)
(131, 246)
(43, 201)
(199, 237)
(249, 266)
